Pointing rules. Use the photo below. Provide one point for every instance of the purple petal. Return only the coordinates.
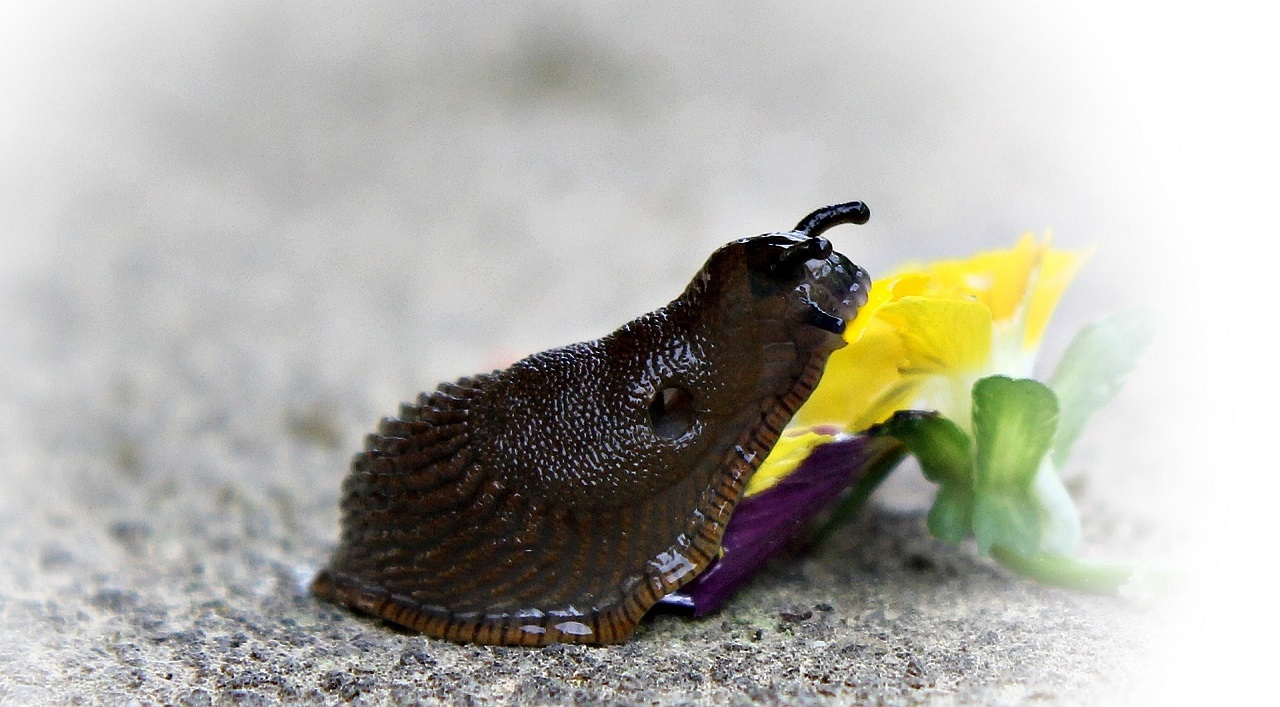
(763, 523)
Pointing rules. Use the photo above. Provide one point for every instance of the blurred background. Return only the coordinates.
(213, 212)
(443, 177)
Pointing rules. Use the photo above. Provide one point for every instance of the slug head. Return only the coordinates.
(748, 340)
(792, 282)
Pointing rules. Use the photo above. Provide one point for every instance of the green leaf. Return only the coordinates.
(1013, 423)
(1008, 519)
(951, 518)
(941, 447)
(1093, 369)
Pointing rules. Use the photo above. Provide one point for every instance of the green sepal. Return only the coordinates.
(1014, 421)
(1093, 369)
(1011, 519)
(942, 448)
(945, 454)
(951, 517)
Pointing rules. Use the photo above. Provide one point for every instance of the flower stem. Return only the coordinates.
(878, 468)
(1094, 576)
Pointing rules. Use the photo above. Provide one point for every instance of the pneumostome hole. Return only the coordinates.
(671, 412)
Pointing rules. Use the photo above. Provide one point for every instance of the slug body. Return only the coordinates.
(559, 499)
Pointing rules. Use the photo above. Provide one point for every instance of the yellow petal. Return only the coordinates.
(894, 396)
(856, 380)
(998, 279)
(1057, 269)
(882, 292)
(785, 457)
(940, 336)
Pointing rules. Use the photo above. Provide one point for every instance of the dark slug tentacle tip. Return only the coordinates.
(823, 319)
(815, 223)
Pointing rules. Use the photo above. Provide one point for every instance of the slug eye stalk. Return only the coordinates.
(818, 222)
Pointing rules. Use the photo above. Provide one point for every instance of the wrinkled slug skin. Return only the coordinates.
(559, 499)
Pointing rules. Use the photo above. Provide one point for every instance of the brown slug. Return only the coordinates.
(557, 500)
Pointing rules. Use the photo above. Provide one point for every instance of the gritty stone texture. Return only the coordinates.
(883, 614)
(235, 234)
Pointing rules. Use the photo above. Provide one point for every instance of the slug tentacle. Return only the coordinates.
(559, 499)
(816, 223)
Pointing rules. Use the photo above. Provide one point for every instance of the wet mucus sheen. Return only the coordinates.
(559, 499)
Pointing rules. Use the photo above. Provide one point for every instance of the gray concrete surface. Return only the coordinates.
(235, 234)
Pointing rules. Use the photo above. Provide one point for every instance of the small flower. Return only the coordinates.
(929, 332)
(939, 364)
(925, 336)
